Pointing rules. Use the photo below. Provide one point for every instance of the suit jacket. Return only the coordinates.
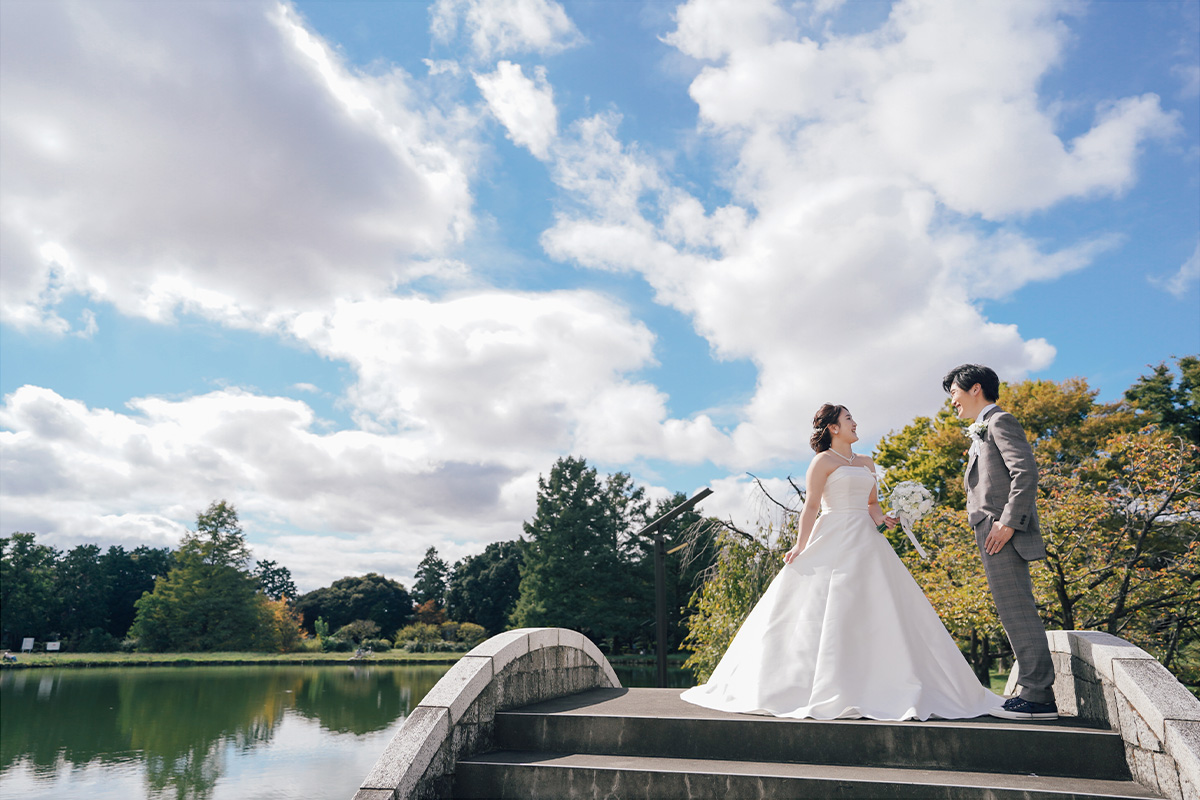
(1001, 483)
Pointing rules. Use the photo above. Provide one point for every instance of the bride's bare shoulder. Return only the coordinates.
(823, 464)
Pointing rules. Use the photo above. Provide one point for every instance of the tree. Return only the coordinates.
(207, 601)
(1123, 545)
(129, 575)
(575, 568)
(81, 589)
(372, 597)
(1175, 406)
(429, 613)
(693, 543)
(430, 579)
(275, 581)
(283, 624)
(27, 601)
(218, 539)
(483, 588)
(744, 566)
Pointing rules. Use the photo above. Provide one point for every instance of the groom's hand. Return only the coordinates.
(997, 537)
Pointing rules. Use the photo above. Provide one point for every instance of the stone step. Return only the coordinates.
(655, 723)
(510, 774)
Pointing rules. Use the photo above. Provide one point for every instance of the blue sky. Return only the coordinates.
(365, 269)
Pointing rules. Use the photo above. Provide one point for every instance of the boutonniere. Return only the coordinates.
(977, 430)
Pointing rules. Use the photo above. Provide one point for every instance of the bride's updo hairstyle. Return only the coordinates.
(828, 414)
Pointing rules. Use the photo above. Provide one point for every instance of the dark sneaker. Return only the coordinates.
(1016, 708)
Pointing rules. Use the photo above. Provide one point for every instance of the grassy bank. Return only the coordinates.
(28, 660)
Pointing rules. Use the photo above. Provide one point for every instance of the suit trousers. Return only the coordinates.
(1012, 590)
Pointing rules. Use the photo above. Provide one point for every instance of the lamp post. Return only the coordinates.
(660, 577)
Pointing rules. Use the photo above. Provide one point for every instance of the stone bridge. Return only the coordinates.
(538, 712)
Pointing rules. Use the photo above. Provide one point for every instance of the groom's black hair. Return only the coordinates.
(967, 375)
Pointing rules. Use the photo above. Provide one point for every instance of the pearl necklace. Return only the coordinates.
(849, 460)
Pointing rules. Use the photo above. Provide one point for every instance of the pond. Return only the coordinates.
(216, 733)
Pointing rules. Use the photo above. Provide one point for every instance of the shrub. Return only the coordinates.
(377, 645)
(332, 644)
(98, 640)
(449, 631)
(471, 634)
(357, 631)
(418, 632)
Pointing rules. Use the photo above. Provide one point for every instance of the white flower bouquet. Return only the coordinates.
(910, 502)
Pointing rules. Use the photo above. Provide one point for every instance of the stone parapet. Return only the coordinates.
(456, 718)
(1105, 679)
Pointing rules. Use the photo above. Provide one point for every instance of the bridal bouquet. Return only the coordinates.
(910, 502)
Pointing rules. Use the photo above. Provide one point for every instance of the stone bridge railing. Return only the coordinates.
(455, 719)
(1107, 680)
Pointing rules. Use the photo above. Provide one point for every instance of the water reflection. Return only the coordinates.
(201, 733)
(186, 728)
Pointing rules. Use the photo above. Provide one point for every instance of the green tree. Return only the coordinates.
(275, 581)
(372, 596)
(694, 552)
(743, 568)
(27, 601)
(218, 539)
(575, 568)
(931, 451)
(129, 575)
(483, 588)
(1158, 398)
(208, 600)
(81, 588)
(430, 579)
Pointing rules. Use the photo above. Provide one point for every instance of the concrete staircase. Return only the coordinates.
(647, 743)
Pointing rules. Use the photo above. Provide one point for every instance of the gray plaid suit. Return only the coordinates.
(1001, 482)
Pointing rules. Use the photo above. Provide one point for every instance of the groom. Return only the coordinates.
(1001, 483)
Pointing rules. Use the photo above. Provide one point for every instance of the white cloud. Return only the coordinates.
(519, 377)
(525, 106)
(77, 474)
(1184, 279)
(852, 259)
(716, 29)
(216, 157)
(499, 28)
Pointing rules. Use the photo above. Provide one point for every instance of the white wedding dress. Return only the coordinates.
(844, 631)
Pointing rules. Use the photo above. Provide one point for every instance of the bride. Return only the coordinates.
(843, 631)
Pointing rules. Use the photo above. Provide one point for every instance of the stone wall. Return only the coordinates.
(456, 718)
(1105, 679)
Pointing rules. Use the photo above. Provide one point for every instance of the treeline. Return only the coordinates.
(580, 564)
(202, 596)
(85, 595)
(1119, 508)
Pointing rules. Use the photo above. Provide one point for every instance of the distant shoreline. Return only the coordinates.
(43, 660)
(85, 660)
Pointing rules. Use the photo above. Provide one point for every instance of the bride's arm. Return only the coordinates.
(814, 484)
(873, 507)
